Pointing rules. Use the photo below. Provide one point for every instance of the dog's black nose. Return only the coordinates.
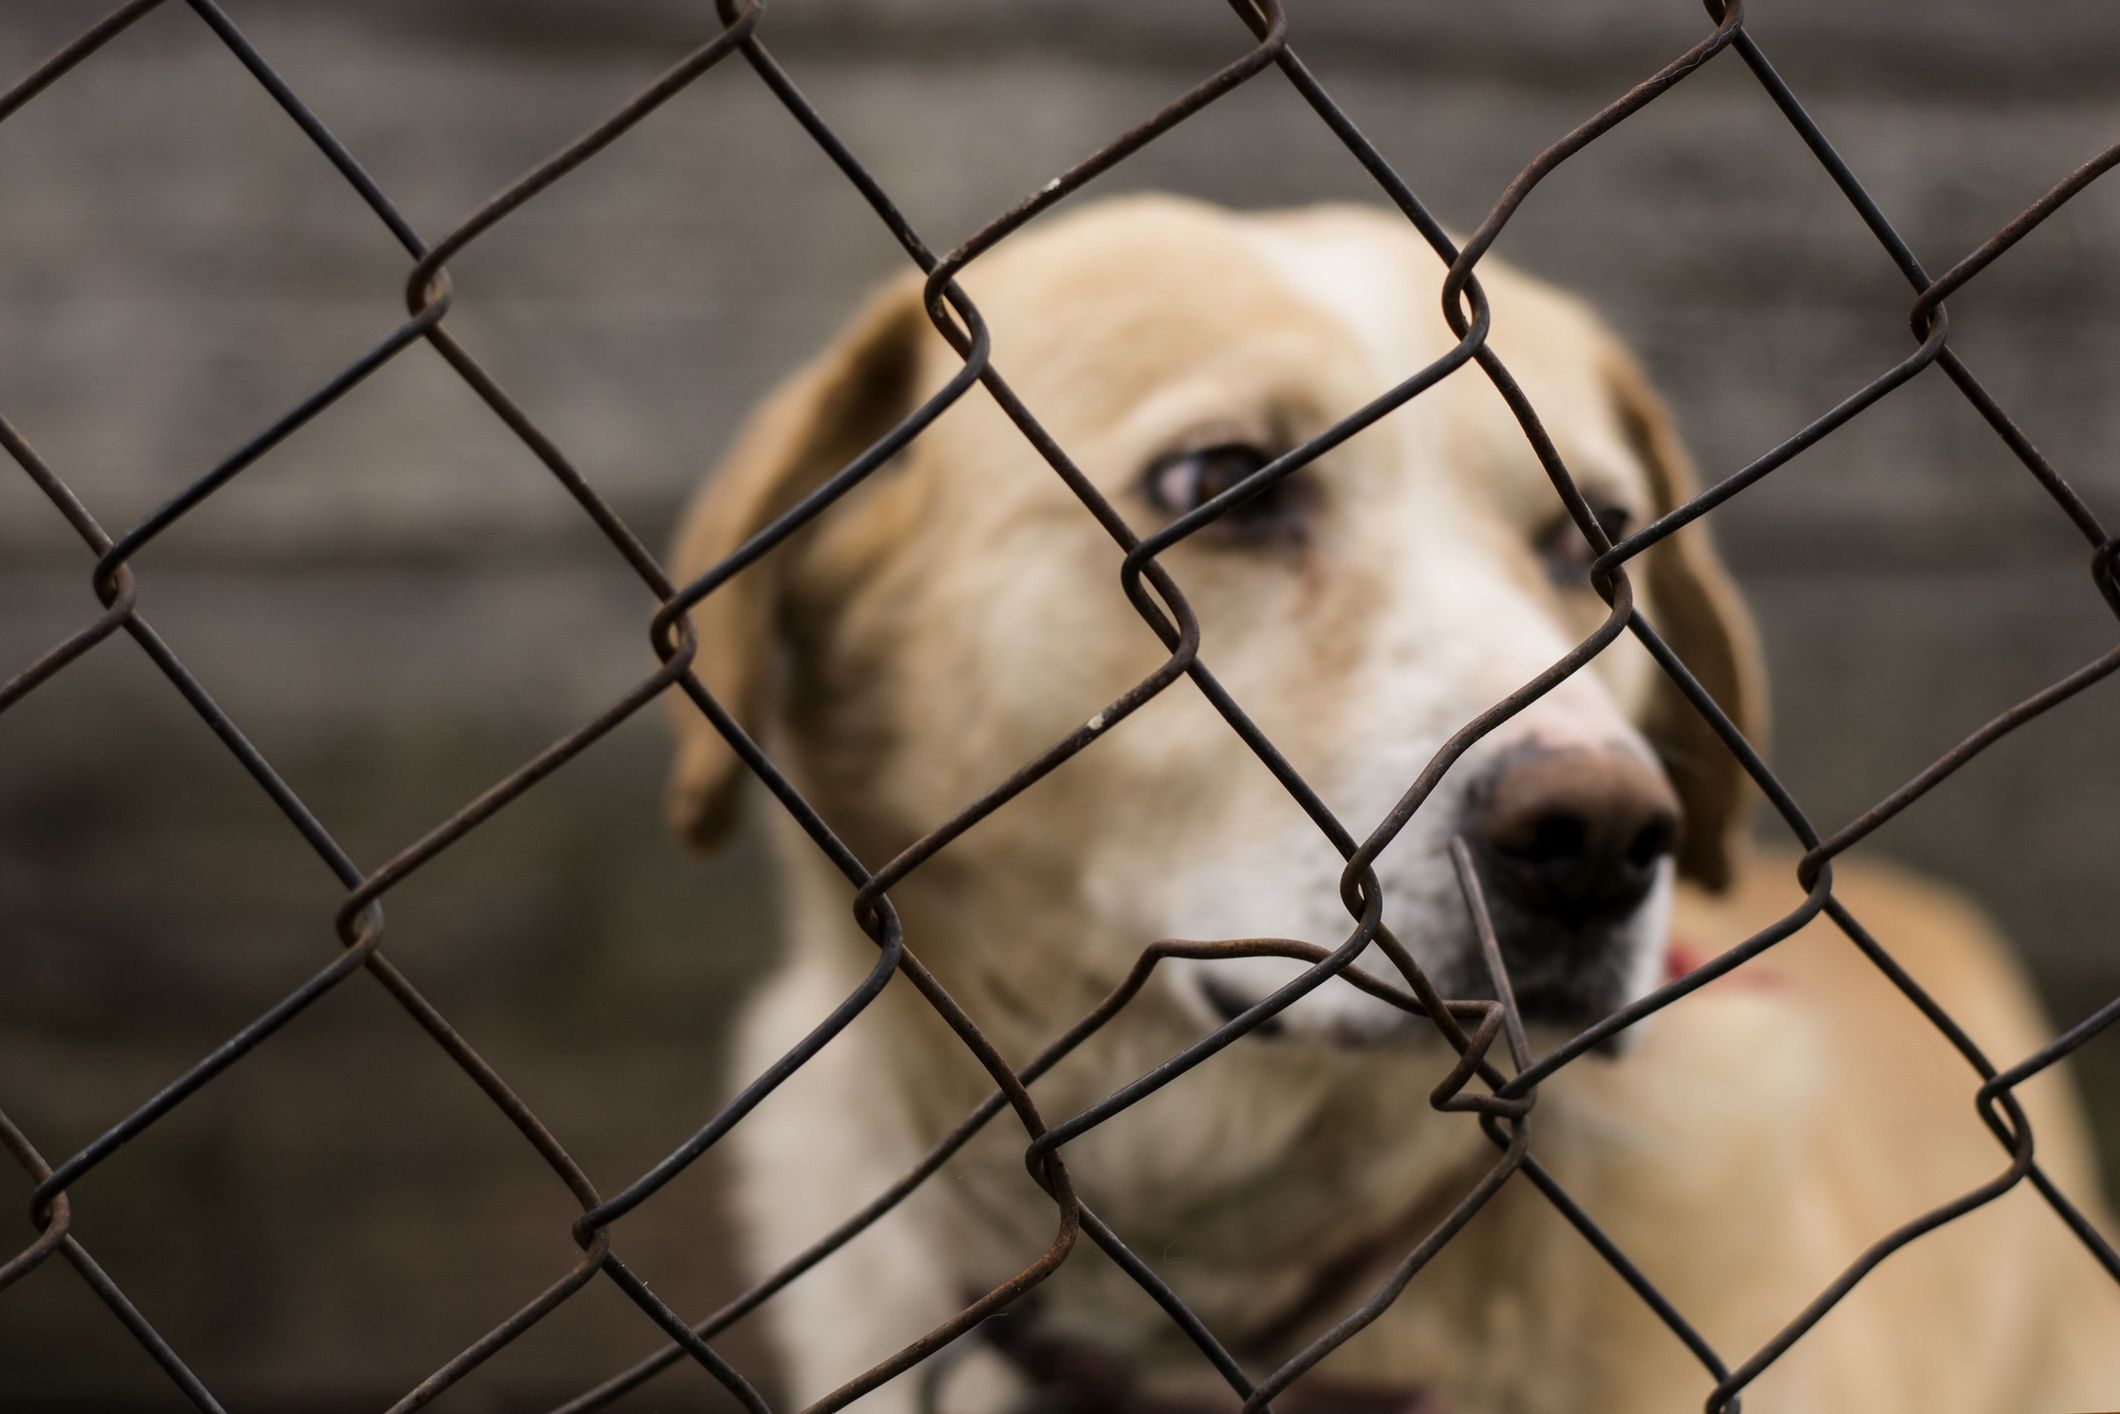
(1575, 835)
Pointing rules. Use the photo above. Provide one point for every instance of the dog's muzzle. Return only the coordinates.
(1569, 844)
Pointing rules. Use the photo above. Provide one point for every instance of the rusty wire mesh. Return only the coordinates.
(1500, 1098)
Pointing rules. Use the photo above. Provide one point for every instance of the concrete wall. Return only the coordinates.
(399, 605)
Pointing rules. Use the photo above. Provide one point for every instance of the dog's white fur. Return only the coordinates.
(960, 612)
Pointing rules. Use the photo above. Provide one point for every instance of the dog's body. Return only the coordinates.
(960, 612)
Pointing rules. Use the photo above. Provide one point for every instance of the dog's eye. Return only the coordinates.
(1567, 554)
(1184, 481)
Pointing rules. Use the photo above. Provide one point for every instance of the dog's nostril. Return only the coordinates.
(1554, 839)
(1652, 842)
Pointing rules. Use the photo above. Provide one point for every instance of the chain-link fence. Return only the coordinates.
(1496, 1088)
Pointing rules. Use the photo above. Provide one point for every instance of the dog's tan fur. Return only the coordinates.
(960, 612)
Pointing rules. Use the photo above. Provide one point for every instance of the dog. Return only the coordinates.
(959, 612)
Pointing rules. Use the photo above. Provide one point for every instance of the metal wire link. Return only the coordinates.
(1500, 1101)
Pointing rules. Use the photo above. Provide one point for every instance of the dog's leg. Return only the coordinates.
(828, 1142)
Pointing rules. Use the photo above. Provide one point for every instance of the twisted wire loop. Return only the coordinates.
(1500, 1103)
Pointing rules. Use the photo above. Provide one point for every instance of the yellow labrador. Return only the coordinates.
(960, 612)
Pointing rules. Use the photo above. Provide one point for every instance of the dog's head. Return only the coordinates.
(961, 611)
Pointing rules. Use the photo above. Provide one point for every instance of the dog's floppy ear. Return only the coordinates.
(816, 422)
(1697, 611)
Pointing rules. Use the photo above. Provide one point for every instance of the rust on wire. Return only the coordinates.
(1476, 1084)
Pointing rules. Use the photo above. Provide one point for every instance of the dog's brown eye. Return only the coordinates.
(1185, 481)
(1567, 554)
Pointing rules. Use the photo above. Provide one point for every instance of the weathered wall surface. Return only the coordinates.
(399, 605)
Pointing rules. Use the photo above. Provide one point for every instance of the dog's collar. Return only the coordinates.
(1074, 1377)
(1066, 1377)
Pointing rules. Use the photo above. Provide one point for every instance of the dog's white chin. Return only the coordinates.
(1336, 1013)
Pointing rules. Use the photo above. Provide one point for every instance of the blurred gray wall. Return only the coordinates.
(399, 605)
